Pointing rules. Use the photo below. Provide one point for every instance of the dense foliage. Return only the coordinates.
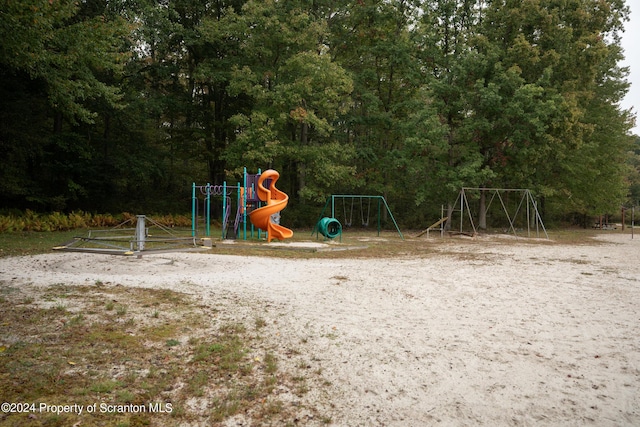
(121, 105)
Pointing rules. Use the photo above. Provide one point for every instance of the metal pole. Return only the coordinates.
(333, 207)
(462, 196)
(379, 217)
(239, 205)
(528, 218)
(391, 215)
(244, 204)
(207, 208)
(193, 210)
(225, 207)
(140, 232)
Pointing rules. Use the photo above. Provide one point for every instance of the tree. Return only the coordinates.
(375, 42)
(518, 84)
(296, 92)
(55, 61)
(559, 126)
(122, 104)
(52, 42)
(633, 162)
(450, 154)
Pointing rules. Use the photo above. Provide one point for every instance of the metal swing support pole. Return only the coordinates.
(391, 215)
(333, 206)
(527, 197)
(380, 199)
(379, 226)
(193, 210)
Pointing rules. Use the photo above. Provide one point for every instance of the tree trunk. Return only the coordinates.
(482, 215)
(302, 167)
(447, 224)
(57, 122)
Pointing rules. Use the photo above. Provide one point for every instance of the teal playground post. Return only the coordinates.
(194, 202)
(208, 211)
(244, 204)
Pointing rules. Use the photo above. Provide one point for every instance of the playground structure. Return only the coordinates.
(520, 212)
(147, 236)
(141, 234)
(250, 211)
(330, 227)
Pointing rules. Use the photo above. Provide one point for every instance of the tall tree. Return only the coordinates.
(449, 156)
(56, 63)
(296, 92)
(552, 73)
(514, 83)
(372, 40)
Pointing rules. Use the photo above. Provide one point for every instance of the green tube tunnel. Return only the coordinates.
(329, 227)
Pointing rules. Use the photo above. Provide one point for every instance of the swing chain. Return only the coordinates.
(365, 223)
(344, 207)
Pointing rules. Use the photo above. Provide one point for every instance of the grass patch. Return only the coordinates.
(77, 354)
(371, 244)
(31, 243)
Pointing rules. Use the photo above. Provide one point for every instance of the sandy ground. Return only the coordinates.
(478, 332)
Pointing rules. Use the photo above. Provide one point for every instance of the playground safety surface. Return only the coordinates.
(475, 332)
(294, 246)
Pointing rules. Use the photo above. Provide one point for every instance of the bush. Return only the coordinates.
(57, 221)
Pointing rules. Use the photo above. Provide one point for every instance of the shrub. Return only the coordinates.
(58, 221)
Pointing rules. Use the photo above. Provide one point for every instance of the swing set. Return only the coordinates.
(350, 204)
(364, 221)
(517, 208)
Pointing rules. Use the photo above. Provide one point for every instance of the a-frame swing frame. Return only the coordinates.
(526, 203)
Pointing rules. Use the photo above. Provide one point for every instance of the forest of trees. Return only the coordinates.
(120, 105)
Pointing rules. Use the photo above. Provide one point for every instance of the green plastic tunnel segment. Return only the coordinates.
(329, 227)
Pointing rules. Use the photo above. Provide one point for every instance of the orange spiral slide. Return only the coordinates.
(276, 201)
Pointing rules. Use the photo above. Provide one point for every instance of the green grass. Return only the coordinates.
(80, 355)
(32, 242)
(371, 245)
